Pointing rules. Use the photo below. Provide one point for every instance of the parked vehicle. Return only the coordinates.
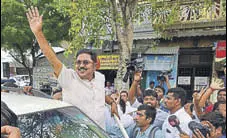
(7, 80)
(21, 80)
(42, 118)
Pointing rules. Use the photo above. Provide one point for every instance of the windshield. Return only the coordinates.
(66, 122)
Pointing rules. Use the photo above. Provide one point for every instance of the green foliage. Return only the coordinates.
(15, 28)
(88, 20)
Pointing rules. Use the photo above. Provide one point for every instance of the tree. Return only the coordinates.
(16, 36)
(93, 20)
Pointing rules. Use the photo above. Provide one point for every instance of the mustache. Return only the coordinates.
(82, 68)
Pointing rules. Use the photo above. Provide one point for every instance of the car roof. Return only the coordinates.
(24, 104)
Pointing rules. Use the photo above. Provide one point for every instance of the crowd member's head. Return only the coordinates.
(160, 91)
(150, 98)
(175, 99)
(217, 120)
(108, 84)
(220, 107)
(8, 117)
(221, 95)
(145, 116)
(124, 95)
(123, 100)
(151, 84)
(86, 62)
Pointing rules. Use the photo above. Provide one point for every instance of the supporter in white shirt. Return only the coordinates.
(109, 89)
(174, 101)
(151, 86)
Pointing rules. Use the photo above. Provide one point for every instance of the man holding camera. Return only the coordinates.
(214, 121)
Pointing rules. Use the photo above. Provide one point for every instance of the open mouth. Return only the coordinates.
(82, 69)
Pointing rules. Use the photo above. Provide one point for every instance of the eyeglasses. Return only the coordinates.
(85, 62)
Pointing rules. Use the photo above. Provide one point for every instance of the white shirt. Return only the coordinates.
(89, 96)
(127, 117)
(172, 132)
(109, 90)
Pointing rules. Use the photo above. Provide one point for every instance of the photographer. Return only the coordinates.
(216, 124)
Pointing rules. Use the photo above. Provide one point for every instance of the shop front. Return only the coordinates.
(159, 61)
(108, 65)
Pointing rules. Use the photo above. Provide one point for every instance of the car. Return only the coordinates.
(47, 118)
(21, 80)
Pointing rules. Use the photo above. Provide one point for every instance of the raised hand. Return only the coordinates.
(34, 19)
(138, 76)
(217, 84)
(12, 132)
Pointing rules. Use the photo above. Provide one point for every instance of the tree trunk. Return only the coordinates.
(126, 41)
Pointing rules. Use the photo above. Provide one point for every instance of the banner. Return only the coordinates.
(221, 49)
(108, 62)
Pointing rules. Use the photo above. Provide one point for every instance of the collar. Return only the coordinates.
(146, 132)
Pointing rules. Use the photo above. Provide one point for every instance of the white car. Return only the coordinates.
(21, 80)
(47, 118)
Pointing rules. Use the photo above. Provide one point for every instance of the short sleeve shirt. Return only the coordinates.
(89, 96)
(172, 132)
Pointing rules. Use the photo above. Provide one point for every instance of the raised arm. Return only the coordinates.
(133, 88)
(35, 22)
(215, 85)
(167, 81)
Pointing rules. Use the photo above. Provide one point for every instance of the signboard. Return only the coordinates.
(108, 62)
(159, 62)
(221, 49)
(184, 80)
(200, 82)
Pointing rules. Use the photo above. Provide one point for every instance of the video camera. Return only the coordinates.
(161, 77)
(193, 125)
(132, 66)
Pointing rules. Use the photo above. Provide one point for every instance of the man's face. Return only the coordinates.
(141, 119)
(124, 97)
(222, 96)
(170, 101)
(108, 84)
(152, 85)
(85, 67)
(159, 92)
(150, 100)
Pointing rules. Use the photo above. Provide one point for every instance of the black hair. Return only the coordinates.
(8, 117)
(150, 112)
(179, 93)
(160, 88)
(191, 107)
(89, 52)
(216, 105)
(221, 90)
(150, 92)
(216, 119)
(122, 103)
(151, 82)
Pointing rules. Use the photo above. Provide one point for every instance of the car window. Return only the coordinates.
(66, 122)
